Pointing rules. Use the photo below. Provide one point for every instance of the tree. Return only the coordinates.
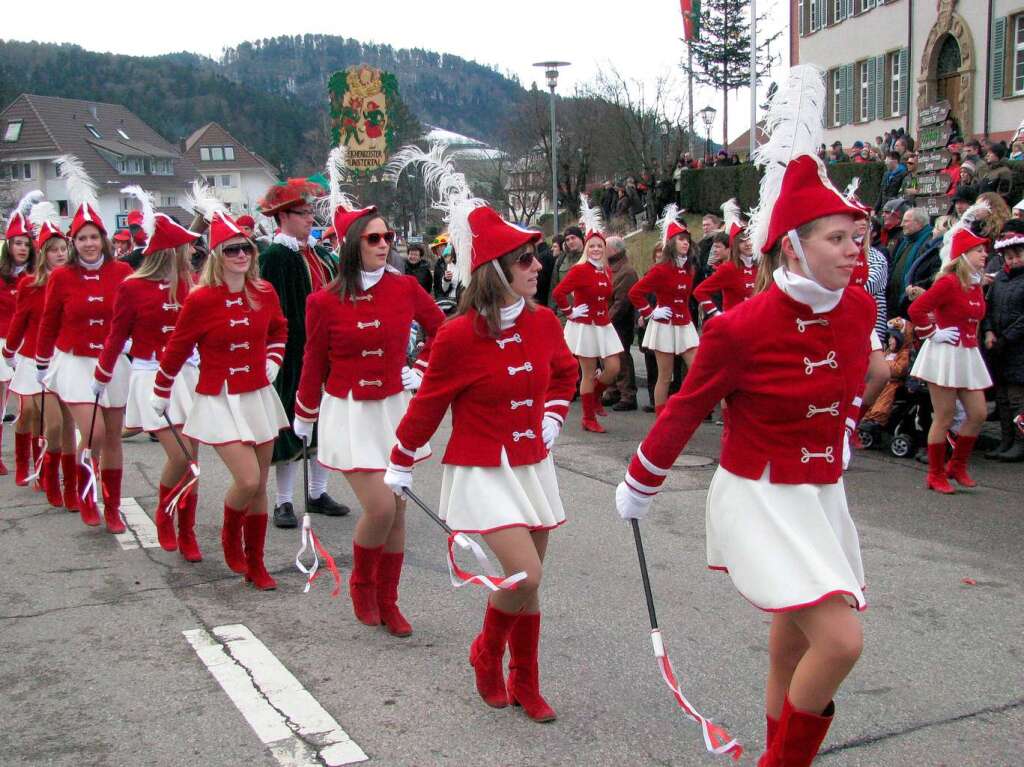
(722, 52)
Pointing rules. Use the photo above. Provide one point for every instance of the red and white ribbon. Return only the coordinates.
(716, 739)
(90, 484)
(311, 542)
(180, 492)
(461, 577)
(37, 465)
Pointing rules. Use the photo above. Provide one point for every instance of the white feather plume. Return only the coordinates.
(338, 173)
(590, 216)
(44, 212)
(795, 125)
(202, 201)
(25, 203)
(966, 221)
(731, 214)
(851, 189)
(670, 214)
(451, 195)
(81, 188)
(148, 207)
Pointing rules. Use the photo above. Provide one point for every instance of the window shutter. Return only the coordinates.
(841, 100)
(880, 85)
(850, 93)
(998, 57)
(849, 8)
(822, 13)
(904, 81)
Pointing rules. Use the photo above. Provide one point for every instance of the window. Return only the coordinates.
(127, 204)
(161, 167)
(217, 153)
(229, 153)
(865, 5)
(894, 84)
(123, 135)
(800, 16)
(62, 208)
(815, 16)
(13, 132)
(169, 201)
(1018, 55)
(27, 171)
(837, 98)
(92, 129)
(204, 153)
(864, 101)
(131, 166)
(838, 11)
(225, 181)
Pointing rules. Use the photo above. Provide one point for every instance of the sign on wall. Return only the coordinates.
(361, 98)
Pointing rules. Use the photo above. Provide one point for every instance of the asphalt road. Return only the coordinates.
(96, 669)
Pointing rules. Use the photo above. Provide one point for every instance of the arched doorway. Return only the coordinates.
(947, 73)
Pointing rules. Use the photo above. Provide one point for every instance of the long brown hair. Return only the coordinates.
(487, 293)
(775, 259)
(105, 248)
(213, 274)
(7, 261)
(691, 252)
(170, 264)
(350, 262)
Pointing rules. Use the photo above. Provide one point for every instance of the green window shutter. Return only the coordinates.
(869, 65)
(880, 86)
(850, 85)
(904, 81)
(841, 101)
(998, 58)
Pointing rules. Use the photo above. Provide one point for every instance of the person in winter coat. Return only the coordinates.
(1003, 338)
(417, 266)
(895, 170)
(999, 178)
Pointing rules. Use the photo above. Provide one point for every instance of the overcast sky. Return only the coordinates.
(641, 41)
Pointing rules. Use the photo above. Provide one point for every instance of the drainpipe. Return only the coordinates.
(910, 64)
(988, 66)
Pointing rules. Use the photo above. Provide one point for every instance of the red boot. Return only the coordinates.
(772, 730)
(87, 505)
(37, 451)
(658, 409)
(165, 522)
(389, 573)
(590, 422)
(599, 390)
(798, 738)
(523, 671)
(957, 467)
(22, 453)
(487, 656)
(362, 584)
(51, 478)
(255, 538)
(111, 481)
(69, 468)
(187, 543)
(231, 539)
(936, 479)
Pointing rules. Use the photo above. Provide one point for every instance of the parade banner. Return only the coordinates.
(691, 19)
(361, 98)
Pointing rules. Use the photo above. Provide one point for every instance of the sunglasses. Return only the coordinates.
(376, 237)
(525, 260)
(234, 251)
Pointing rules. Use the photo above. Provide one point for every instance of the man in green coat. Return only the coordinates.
(296, 267)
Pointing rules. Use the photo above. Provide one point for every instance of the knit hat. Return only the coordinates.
(18, 225)
(573, 230)
(81, 193)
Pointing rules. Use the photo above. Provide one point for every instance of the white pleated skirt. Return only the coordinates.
(592, 340)
(70, 376)
(484, 499)
(672, 339)
(252, 418)
(6, 371)
(24, 381)
(957, 367)
(786, 547)
(358, 434)
(140, 415)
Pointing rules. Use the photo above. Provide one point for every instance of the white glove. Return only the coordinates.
(579, 311)
(398, 478)
(847, 453)
(97, 388)
(40, 373)
(12, 361)
(661, 313)
(272, 368)
(946, 336)
(631, 504)
(303, 429)
(411, 378)
(159, 404)
(551, 427)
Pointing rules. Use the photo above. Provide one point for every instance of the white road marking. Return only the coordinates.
(288, 720)
(140, 532)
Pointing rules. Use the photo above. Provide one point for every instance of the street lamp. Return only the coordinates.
(707, 115)
(551, 73)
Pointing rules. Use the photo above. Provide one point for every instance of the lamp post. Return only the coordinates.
(551, 73)
(707, 115)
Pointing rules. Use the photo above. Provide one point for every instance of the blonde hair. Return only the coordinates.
(999, 214)
(962, 268)
(42, 273)
(583, 254)
(213, 273)
(171, 264)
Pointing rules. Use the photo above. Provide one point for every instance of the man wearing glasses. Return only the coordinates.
(296, 267)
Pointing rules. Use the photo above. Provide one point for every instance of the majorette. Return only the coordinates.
(588, 331)
(734, 278)
(20, 350)
(505, 371)
(76, 320)
(670, 330)
(145, 312)
(355, 380)
(234, 320)
(946, 316)
(17, 258)
(786, 361)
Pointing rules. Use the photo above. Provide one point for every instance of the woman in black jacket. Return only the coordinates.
(1003, 336)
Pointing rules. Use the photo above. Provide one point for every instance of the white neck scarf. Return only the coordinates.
(369, 279)
(807, 291)
(509, 314)
(94, 265)
(748, 261)
(596, 264)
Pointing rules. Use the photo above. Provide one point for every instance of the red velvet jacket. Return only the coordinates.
(946, 304)
(588, 285)
(8, 296)
(499, 390)
(234, 340)
(359, 346)
(861, 271)
(670, 286)
(735, 283)
(28, 312)
(79, 305)
(144, 312)
(791, 379)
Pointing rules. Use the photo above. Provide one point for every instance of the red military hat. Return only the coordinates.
(223, 228)
(494, 237)
(81, 192)
(122, 235)
(732, 218)
(290, 194)
(964, 240)
(344, 218)
(18, 226)
(44, 219)
(590, 220)
(168, 233)
(246, 220)
(134, 218)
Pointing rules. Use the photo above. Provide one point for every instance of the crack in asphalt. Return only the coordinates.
(870, 740)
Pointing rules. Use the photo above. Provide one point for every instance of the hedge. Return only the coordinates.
(704, 190)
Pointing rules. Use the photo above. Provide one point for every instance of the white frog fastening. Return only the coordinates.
(801, 325)
(372, 353)
(807, 455)
(518, 435)
(98, 347)
(243, 321)
(364, 325)
(95, 322)
(501, 342)
(171, 307)
(367, 297)
(525, 368)
(243, 345)
(370, 383)
(95, 299)
(233, 301)
(830, 361)
(243, 369)
(166, 328)
(833, 409)
(516, 404)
